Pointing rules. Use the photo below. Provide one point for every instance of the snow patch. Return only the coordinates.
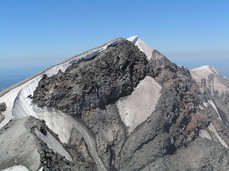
(16, 168)
(41, 169)
(211, 127)
(142, 46)
(204, 134)
(137, 107)
(205, 104)
(214, 106)
(201, 107)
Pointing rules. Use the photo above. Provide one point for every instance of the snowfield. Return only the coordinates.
(137, 107)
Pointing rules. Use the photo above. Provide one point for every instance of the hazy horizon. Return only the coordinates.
(39, 34)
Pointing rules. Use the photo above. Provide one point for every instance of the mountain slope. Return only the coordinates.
(214, 81)
(123, 106)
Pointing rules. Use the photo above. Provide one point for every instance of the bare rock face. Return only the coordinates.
(132, 112)
(2, 109)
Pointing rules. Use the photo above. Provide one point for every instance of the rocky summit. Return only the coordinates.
(122, 106)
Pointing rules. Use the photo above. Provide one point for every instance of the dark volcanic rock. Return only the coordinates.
(2, 109)
(94, 83)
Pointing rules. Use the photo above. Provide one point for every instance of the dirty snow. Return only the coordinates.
(137, 107)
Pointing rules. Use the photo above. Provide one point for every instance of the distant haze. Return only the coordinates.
(42, 33)
(219, 60)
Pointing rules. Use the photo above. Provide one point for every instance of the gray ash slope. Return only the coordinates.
(129, 111)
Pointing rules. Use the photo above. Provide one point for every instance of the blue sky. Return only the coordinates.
(42, 33)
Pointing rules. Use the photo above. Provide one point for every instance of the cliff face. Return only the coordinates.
(130, 108)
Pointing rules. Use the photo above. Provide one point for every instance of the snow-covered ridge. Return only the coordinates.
(63, 65)
(16, 97)
(142, 46)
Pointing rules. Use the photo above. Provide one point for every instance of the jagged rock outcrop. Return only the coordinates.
(128, 108)
(94, 83)
(2, 109)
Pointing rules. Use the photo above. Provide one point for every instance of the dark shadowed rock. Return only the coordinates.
(2, 107)
(94, 83)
